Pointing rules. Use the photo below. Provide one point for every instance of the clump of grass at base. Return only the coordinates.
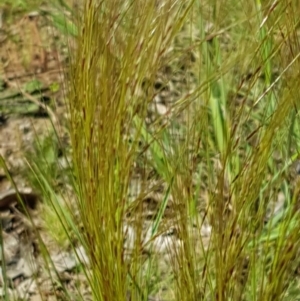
(118, 46)
(237, 199)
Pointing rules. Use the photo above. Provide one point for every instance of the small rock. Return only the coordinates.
(161, 109)
(13, 272)
(11, 247)
(28, 267)
(64, 262)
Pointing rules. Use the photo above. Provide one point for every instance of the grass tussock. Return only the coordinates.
(119, 45)
(218, 150)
